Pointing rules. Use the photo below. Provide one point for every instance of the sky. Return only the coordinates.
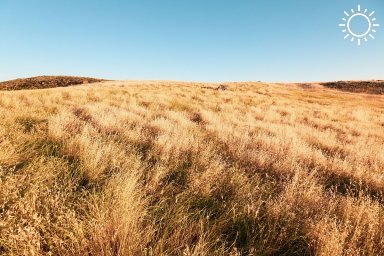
(189, 40)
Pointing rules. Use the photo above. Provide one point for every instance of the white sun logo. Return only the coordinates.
(369, 21)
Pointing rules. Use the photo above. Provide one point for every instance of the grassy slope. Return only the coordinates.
(161, 168)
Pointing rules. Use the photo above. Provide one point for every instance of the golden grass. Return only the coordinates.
(167, 168)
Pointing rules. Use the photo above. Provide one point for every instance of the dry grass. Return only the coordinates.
(160, 168)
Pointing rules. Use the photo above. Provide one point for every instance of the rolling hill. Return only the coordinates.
(44, 82)
(175, 168)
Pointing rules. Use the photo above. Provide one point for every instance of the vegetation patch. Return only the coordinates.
(371, 87)
(44, 82)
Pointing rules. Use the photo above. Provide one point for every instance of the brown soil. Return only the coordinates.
(44, 82)
(371, 87)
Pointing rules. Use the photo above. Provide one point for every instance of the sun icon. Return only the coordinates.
(366, 18)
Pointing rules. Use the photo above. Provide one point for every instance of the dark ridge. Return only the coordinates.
(371, 87)
(44, 82)
(219, 88)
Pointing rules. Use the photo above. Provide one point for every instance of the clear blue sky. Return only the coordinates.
(193, 40)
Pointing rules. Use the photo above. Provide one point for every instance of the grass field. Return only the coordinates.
(169, 168)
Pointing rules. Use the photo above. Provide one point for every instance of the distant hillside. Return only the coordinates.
(372, 87)
(43, 82)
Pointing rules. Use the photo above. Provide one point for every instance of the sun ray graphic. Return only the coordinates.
(368, 18)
